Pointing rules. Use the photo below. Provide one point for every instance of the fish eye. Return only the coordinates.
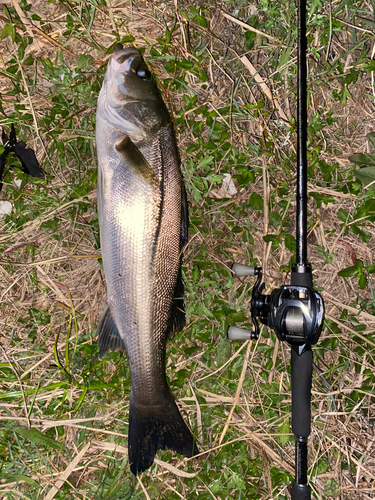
(143, 73)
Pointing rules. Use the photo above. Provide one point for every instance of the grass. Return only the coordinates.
(64, 411)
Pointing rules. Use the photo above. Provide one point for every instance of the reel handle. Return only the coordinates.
(241, 270)
(235, 333)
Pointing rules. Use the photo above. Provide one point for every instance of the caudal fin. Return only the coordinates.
(154, 428)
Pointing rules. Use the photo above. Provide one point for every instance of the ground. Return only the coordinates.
(227, 72)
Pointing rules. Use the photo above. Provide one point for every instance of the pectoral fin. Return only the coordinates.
(135, 159)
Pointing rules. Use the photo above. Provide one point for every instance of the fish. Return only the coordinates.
(143, 221)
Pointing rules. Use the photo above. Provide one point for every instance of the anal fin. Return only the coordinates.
(108, 335)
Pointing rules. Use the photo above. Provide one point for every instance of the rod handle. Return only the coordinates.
(300, 492)
(301, 392)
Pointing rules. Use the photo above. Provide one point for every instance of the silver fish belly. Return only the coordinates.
(143, 226)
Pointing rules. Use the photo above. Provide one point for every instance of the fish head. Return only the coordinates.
(129, 78)
(130, 99)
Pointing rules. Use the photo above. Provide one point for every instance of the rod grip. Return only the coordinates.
(301, 492)
(301, 392)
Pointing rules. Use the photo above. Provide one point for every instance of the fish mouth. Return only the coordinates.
(122, 59)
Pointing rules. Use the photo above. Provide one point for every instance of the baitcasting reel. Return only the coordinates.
(295, 312)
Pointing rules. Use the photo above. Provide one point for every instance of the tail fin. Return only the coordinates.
(154, 428)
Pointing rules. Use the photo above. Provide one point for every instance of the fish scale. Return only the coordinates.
(143, 226)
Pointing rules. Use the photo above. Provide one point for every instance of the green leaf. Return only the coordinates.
(366, 175)
(98, 386)
(290, 242)
(29, 60)
(352, 270)
(284, 58)
(8, 30)
(207, 160)
(371, 138)
(274, 238)
(10, 478)
(256, 201)
(206, 283)
(275, 219)
(322, 467)
(325, 198)
(201, 20)
(362, 233)
(284, 429)
(371, 268)
(37, 437)
(223, 352)
(343, 215)
(331, 488)
(362, 282)
(363, 158)
(85, 62)
(343, 95)
(184, 64)
(203, 76)
(238, 317)
(367, 22)
(192, 148)
(196, 274)
(127, 39)
(215, 179)
(370, 65)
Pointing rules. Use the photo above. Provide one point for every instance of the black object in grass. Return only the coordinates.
(30, 165)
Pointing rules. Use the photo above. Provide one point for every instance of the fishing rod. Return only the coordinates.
(295, 312)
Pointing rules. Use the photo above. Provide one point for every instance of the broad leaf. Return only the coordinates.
(363, 158)
(366, 175)
(352, 270)
(371, 138)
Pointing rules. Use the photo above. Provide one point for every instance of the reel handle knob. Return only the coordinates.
(242, 270)
(235, 333)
